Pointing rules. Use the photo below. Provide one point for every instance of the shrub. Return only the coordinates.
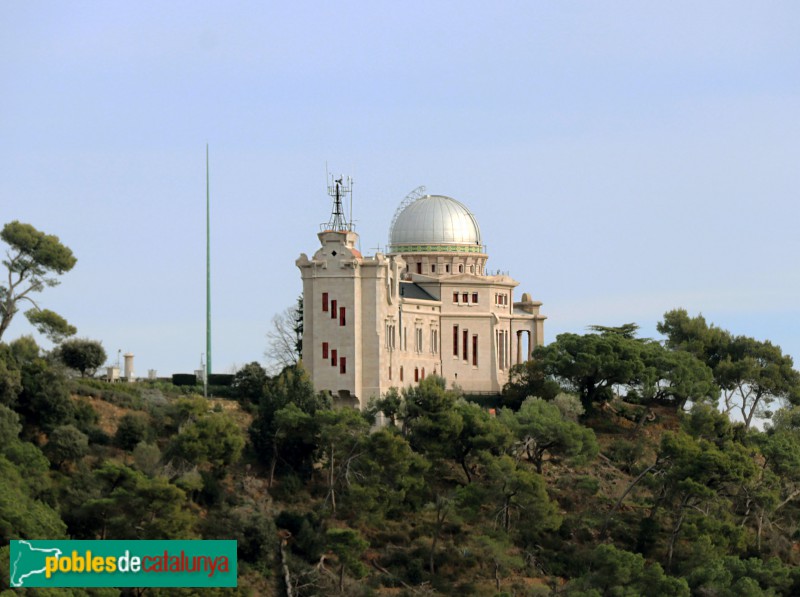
(66, 444)
(98, 437)
(132, 429)
(625, 453)
(85, 415)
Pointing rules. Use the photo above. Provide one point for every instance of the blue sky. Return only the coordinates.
(622, 158)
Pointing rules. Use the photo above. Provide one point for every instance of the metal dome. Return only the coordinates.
(435, 223)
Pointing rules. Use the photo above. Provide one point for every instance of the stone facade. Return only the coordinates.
(427, 307)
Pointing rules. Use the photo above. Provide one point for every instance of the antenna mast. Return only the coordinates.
(337, 189)
(208, 271)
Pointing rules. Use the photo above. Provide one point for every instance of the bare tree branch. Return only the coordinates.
(282, 340)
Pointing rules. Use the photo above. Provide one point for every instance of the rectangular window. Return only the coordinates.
(390, 373)
(419, 267)
(465, 346)
(475, 351)
(475, 297)
(465, 297)
(447, 268)
(343, 365)
(333, 310)
(416, 374)
(401, 373)
(455, 340)
(324, 301)
(342, 320)
(502, 349)
(334, 360)
(455, 297)
(433, 268)
(324, 350)
(390, 336)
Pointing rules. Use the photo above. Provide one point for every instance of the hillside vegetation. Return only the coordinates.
(608, 469)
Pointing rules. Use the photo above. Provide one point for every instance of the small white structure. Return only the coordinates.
(129, 375)
(152, 374)
(112, 373)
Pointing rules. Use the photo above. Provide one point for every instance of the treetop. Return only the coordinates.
(42, 250)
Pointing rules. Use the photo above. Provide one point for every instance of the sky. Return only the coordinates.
(622, 158)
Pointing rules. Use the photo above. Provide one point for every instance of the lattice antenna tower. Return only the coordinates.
(338, 189)
(409, 199)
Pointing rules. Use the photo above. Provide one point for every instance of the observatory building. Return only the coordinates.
(428, 306)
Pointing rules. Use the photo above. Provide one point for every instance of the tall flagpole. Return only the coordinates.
(208, 271)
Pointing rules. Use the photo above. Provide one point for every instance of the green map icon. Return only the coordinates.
(27, 560)
(118, 563)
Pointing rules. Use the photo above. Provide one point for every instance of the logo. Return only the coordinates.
(123, 563)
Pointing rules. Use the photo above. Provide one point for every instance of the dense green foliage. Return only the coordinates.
(609, 471)
(752, 374)
(33, 259)
(82, 354)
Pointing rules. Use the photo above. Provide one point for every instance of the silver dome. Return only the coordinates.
(435, 220)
